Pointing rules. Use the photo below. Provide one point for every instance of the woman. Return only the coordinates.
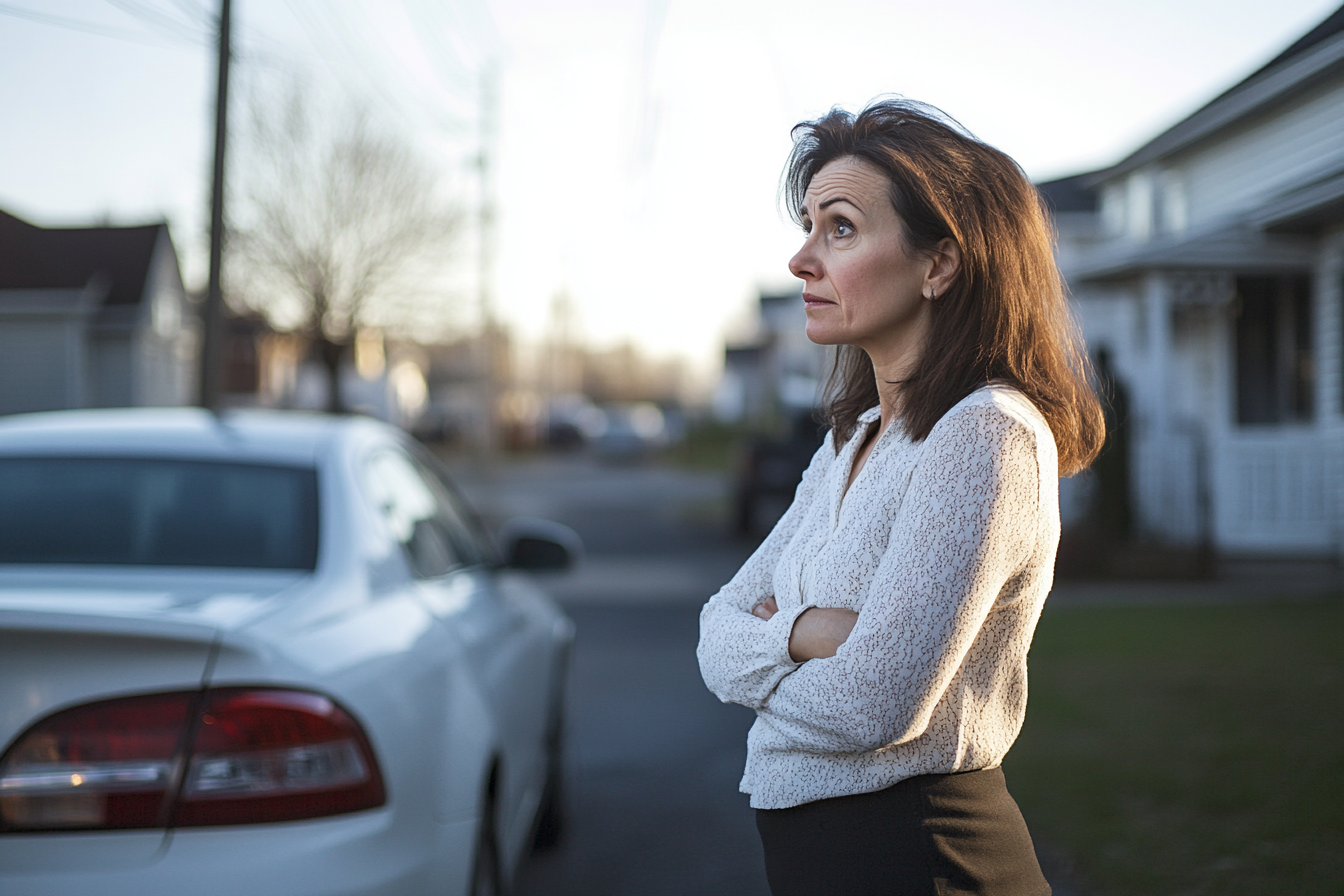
(881, 630)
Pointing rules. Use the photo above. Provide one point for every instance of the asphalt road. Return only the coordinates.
(652, 758)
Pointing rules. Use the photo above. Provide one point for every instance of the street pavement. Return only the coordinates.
(652, 758)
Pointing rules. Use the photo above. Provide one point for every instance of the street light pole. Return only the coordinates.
(212, 313)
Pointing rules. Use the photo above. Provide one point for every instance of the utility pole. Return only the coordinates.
(212, 313)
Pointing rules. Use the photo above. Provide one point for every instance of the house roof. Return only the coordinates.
(33, 257)
(1237, 248)
(1316, 55)
(1333, 24)
(1307, 208)
(1271, 81)
(1069, 194)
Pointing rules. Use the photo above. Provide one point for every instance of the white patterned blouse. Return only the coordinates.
(946, 550)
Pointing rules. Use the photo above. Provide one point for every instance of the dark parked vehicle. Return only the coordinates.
(772, 467)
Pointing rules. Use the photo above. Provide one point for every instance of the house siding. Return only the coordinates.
(124, 338)
(40, 365)
(110, 371)
(1161, 291)
(1296, 143)
(163, 374)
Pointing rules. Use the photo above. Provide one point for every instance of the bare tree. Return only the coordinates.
(334, 216)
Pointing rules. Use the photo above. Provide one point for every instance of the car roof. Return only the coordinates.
(249, 435)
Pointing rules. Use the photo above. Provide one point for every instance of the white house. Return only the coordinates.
(1209, 267)
(92, 317)
(776, 374)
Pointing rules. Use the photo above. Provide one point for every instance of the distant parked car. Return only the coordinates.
(262, 654)
(629, 431)
(771, 468)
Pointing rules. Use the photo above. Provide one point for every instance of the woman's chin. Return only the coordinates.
(821, 334)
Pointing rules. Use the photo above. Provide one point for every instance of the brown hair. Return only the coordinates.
(1004, 318)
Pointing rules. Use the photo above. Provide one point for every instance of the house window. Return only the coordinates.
(1139, 207)
(1273, 345)
(1173, 213)
(1113, 209)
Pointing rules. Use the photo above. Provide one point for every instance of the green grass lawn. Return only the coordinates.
(1189, 749)
(708, 446)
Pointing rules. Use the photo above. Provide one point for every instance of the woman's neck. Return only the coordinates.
(892, 368)
(895, 353)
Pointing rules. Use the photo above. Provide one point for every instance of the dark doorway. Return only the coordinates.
(1110, 511)
(1273, 349)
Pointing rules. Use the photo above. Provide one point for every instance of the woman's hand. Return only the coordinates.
(766, 608)
(818, 632)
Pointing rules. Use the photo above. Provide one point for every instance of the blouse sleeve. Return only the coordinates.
(742, 657)
(968, 523)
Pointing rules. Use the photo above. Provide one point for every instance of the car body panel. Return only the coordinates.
(361, 854)
(29, 861)
(453, 678)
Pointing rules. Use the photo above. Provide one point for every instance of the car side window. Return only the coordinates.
(468, 533)
(412, 513)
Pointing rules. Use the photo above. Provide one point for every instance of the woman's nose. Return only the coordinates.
(803, 264)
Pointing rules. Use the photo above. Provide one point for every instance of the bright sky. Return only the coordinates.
(639, 141)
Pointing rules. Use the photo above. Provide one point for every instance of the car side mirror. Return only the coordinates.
(539, 545)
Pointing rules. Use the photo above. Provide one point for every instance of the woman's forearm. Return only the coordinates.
(819, 632)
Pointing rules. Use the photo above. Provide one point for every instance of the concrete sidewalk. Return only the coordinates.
(635, 581)
(660, 580)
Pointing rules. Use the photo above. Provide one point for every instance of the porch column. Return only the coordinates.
(1328, 347)
(1157, 317)
(1328, 307)
(1153, 467)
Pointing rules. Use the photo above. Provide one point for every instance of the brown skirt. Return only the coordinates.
(932, 835)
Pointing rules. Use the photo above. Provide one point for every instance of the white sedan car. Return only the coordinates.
(264, 653)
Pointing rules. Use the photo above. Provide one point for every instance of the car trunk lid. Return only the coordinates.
(71, 638)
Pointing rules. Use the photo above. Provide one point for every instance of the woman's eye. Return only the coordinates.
(843, 228)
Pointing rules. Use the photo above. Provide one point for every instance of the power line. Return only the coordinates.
(145, 13)
(42, 18)
(332, 30)
(194, 10)
(320, 35)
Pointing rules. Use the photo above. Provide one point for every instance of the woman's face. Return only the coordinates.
(860, 286)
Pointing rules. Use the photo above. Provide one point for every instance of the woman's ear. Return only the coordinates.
(946, 258)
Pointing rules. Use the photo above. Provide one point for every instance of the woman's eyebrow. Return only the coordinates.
(834, 200)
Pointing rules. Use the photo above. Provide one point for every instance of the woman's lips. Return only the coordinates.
(811, 301)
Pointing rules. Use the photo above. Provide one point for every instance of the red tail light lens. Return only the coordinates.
(105, 765)
(255, 755)
(267, 755)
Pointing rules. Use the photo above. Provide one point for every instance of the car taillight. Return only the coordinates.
(268, 755)
(104, 765)
(222, 756)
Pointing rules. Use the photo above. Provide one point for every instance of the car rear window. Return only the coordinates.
(146, 512)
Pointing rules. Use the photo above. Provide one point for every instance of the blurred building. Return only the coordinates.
(625, 374)
(1207, 269)
(776, 374)
(92, 317)
(467, 381)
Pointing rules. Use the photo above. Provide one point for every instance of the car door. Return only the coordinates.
(507, 647)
